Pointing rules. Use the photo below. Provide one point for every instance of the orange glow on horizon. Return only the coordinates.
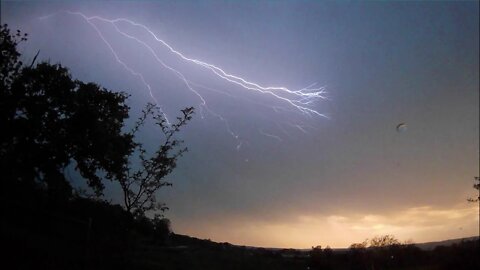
(417, 224)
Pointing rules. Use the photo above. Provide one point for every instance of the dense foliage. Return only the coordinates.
(50, 121)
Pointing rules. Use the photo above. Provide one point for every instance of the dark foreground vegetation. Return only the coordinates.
(51, 123)
(89, 234)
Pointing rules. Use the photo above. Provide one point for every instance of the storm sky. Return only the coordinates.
(259, 171)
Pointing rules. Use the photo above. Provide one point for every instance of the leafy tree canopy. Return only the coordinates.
(50, 120)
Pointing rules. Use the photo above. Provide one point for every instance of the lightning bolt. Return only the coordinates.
(301, 100)
(305, 95)
(270, 135)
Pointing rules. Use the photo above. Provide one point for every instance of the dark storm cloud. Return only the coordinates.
(382, 63)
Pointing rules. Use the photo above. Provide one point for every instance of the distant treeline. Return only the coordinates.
(394, 255)
(90, 234)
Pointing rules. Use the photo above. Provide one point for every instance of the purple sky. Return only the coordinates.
(291, 179)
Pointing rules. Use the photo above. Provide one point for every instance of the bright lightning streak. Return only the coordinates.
(303, 97)
(298, 99)
(157, 58)
(117, 58)
(306, 94)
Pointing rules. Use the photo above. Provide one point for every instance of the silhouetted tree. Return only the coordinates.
(383, 249)
(50, 121)
(320, 259)
(476, 186)
(140, 182)
(383, 241)
(161, 230)
(359, 246)
(10, 63)
(358, 255)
